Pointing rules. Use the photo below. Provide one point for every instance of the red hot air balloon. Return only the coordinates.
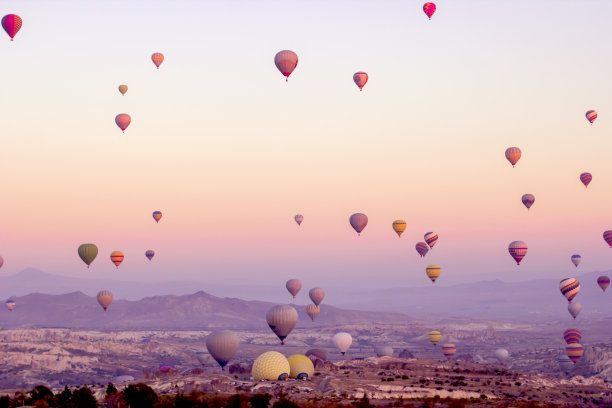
(572, 336)
(429, 9)
(603, 282)
(528, 200)
(123, 120)
(422, 248)
(586, 179)
(607, 236)
(11, 24)
(591, 115)
(360, 78)
(513, 154)
(517, 250)
(358, 222)
(286, 61)
(157, 59)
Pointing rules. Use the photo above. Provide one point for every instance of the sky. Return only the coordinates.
(230, 152)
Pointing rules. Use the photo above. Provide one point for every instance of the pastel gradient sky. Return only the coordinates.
(230, 152)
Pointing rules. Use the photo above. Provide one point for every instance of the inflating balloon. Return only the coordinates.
(271, 366)
(301, 367)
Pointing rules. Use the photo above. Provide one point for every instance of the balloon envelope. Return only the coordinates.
(299, 218)
(572, 336)
(433, 272)
(157, 215)
(117, 257)
(342, 341)
(518, 250)
(607, 236)
(293, 286)
(358, 222)
(157, 59)
(574, 309)
(528, 200)
(429, 9)
(591, 115)
(11, 24)
(316, 295)
(586, 178)
(569, 288)
(286, 61)
(431, 238)
(105, 298)
(399, 226)
(282, 319)
(434, 336)
(422, 248)
(513, 154)
(123, 89)
(123, 120)
(300, 366)
(449, 350)
(270, 366)
(313, 311)
(565, 363)
(10, 304)
(574, 351)
(576, 259)
(501, 354)
(150, 254)
(603, 282)
(360, 79)
(87, 253)
(314, 354)
(383, 351)
(222, 346)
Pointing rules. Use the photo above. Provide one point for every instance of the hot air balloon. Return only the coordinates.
(117, 257)
(157, 58)
(222, 346)
(286, 61)
(358, 222)
(528, 200)
(603, 282)
(282, 319)
(513, 154)
(433, 271)
(293, 286)
(449, 350)
(586, 178)
(316, 295)
(1, 261)
(574, 309)
(105, 298)
(87, 253)
(574, 351)
(10, 304)
(313, 311)
(431, 238)
(399, 226)
(157, 215)
(576, 259)
(123, 89)
(422, 248)
(11, 24)
(301, 367)
(607, 236)
(150, 254)
(434, 336)
(569, 288)
(383, 351)
(342, 341)
(501, 354)
(517, 250)
(314, 354)
(360, 78)
(123, 120)
(429, 9)
(572, 336)
(202, 356)
(299, 218)
(565, 363)
(591, 115)
(271, 366)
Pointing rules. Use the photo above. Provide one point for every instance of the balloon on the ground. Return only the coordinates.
(222, 346)
(429, 9)
(117, 257)
(342, 341)
(157, 59)
(513, 154)
(300, 367)
(572, 336)
(574, 309)
(399, 226)
(586, 178)
(433, 272)
(358, 222)
(314, 354)
(316, 295)
(123, 120)
(87, 253)
(431, 238)
(123, 89)
(603, 282)
(434, 336)
(299, 218)
(569, 288)
(10, 304)
(313, 311)
(293, 286)
(149, 253)
(518, 250)
(591, 115)
(286, 61)
(501, 354)
(383, 351)
(282, 319)
(360, 79)
(12, 24)
(528, 200)
(422, 248)
(157, 215)
(271, 366)
(105, 298)
(574, 351)
(449, 350)
(576, 258)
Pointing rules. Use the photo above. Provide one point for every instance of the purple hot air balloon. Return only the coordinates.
(150, 254)
(422, 248)
(607, 236)
(586, 178)
(299, 218)
(603, 282)
(358, 222)
(576, 258)
(528, 200)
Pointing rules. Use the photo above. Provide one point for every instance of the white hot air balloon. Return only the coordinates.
(342, 341)
(574, 308)
(501, 355)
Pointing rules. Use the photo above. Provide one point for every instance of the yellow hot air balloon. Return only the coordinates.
(123, 89)
(433, 271)
(301, 367)
(117, 258)
(272, 366)
(88, 252)
(434, 336)
(399, 226)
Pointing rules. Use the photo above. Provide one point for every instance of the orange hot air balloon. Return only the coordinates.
(123, 89)
(157, 215)
(399, 226)
(123, 120)
(360, 78)
(11, 24)
(513, 154)
(117, 258)
(429, 9)
(157, 59)
(286, 61)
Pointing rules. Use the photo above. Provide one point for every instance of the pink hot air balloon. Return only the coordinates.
(11, 24)
(528, 200)
(586, 178)
(157, 59)
(429, 9)
(422, 248)
(517, 250)
(286, 61)
(431, 238)
(123, 120)
(358, 222)
(591, 115)
(607, 236)
(360, 78)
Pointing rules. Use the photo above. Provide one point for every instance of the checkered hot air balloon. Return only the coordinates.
(586, 178)
(518, 250)
(11, 24)
(569, 288)
(591, 115)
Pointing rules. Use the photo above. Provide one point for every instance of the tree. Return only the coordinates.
(83, 398)
(5, 401)
(139, 395)
(111, 389)
(42, 393)
(260, 400)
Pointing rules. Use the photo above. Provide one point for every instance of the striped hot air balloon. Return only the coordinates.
(433, 272)
(528, 200)
(449, 350)
(117, 257)
(434, 337)
(572, 336)
(569, 288)
(299, 218)
(157, 59)
(513, 154)
(358, 221)
(360, 79)
(518, 250)
(431, 238)
(576, 259)
(607, 236)
(11, 24)
(429, 9)
(574, 309)
(10, 304)
(293, 286)
(399, 226)
(586, 178)
(87, 253)
(286, 61)
(422, 248)
(574, 351)
(591, 115)
(105, 298)
(603, 282)
(123, 120)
